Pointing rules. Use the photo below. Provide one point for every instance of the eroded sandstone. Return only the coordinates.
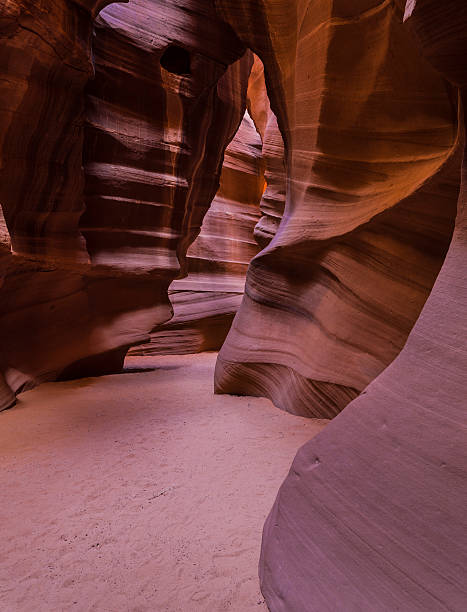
(368, 126)
(370, 516)
(206, 300)
(94, 251)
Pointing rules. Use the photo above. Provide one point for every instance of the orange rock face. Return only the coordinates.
(206, 301)
(45, 62)
(369, 209)
(273, 200)
(94, 251)
(112, 148)
(370, 515)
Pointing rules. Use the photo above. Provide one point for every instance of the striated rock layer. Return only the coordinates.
(93, 252)
(206, 301)
(45, 62)
(273, 200)
(149, 182)
(368, 126)
(371, 515)
(160, 112)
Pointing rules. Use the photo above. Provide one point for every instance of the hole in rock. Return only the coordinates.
(176, 60)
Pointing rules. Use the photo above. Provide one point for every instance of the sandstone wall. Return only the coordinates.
(373, 507)
(206, 300)
(94, 251)
(368, 126)
(370, 515)
(359, 291)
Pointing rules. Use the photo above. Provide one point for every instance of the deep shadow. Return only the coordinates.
(176, 60)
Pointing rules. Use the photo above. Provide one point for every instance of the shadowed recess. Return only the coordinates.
(176, 60)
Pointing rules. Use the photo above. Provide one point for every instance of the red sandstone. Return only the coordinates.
(344, 186)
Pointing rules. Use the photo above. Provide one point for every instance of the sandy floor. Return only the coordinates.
(139, 492)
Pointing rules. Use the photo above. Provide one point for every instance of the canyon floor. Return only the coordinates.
(139, 492)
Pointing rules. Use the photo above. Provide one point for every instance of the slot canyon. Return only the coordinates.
(233, 306)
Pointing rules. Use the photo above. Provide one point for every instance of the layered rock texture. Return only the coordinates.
(371, 514)
(93, 251)
(346, 172)
(206, 301)
(273, 156)
(273, 200)
(368, 127)
(45, 62)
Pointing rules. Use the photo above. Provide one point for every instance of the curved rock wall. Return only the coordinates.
(79, 289)
(373, 507)
(273, 200)
(154, 137)
(356, 226)
(151, 176)
(368, 126)
(45, 62)
(206, 301)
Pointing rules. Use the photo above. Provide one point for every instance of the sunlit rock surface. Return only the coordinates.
(370, 204)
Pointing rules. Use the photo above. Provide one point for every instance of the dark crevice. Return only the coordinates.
(176, 60)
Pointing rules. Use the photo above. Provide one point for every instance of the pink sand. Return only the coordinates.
(139, 491)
